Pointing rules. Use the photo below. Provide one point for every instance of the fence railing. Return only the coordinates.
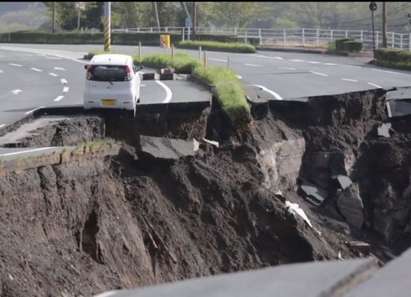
(310, 37)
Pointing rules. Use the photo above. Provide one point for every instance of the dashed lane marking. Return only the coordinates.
(33, 110)
(269, 57)
(374, 85)
(53, 74)
(15, 65)
(2, 125)
(57, 99)
(253, 65)
(59, 68)
(63, 81)
(314, 62)
(16, 91)
(296, 60)
(217, 60)
(330, 64)
(350, 79)
(319, 73)
(276, 95)
(287, 68)
(169, 94)
(66, 89)
(36, 69)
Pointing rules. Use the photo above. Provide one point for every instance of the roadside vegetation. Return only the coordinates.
(344, 46)
(393, 58)
(236, 47)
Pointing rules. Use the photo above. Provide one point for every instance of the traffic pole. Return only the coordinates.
(139, 50)
(107, 26)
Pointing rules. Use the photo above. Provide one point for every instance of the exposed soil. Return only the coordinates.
(81, 228)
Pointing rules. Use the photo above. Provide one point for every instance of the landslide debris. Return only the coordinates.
(97, 223)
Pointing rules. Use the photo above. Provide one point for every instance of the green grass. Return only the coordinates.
(182, 63)
(229, 91)
(236, 47)
(393, 58)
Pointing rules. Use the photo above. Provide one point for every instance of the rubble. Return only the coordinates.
(350, 205)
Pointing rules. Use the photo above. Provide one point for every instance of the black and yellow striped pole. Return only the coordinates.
(107, 26)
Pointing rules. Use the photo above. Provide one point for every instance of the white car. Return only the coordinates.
(112, 81)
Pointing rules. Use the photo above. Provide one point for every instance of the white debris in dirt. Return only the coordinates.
(196, 144)
(215, 143)
(11, 277)
(295, 209)
(340, 256)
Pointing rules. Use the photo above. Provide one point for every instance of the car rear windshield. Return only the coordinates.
(107, 73)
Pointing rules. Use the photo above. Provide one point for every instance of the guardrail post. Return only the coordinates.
(245, 36)
(182, 35)
(235, 31)
(205, 59)
(260, 37)
(284, 37)
(392, 40)
(166, 29)
(362, 35)
(401, 41)
(346, 33)
(199, 52)
(228, 62)
(318, 37)
(332, 35)
(376, 40)
(303, 36)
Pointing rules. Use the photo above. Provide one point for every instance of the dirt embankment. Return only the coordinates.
(103, 223)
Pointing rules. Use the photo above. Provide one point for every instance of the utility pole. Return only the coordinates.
(384, 25)
(156, 15)
(194, 14)
(107, 26)
(53, 18)
(373, 7)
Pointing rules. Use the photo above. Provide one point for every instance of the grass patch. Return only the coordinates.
(229, 92)
(393, 58)
(236, 47)
(182, 63)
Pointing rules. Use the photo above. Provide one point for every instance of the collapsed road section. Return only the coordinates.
(119, 203)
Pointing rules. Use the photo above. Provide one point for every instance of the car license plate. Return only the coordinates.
(109, 102)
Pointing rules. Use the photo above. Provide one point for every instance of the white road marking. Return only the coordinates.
(297, 60)
(1, 71)
(33, 110)
(59, 68)
(63, 81)
(319, 73)
(374, 85)
(314, 62)
(269, 57)
(36, 69)
(330, 64)
(239, 76)
(287, 68)
(53, 74)
(27, 151)
(2, 125)
(169, 94)
(276, 96)
(387, 71)
(387, 104)
(217, 60)
(15, 65)
(349, 79)
(253, 65)
(66, 89)
(57, 99)
(17, 91)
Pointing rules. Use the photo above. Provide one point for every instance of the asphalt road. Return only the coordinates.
(35, 75)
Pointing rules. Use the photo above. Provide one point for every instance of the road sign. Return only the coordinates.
(188, 22)
(373, 6)
(80, 5)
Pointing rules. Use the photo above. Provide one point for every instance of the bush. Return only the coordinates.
(217, 46)
(394, 58)
(347, 45)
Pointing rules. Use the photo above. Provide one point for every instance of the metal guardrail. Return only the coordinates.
(311, 37)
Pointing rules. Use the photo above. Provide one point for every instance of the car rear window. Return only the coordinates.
(107, 73)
